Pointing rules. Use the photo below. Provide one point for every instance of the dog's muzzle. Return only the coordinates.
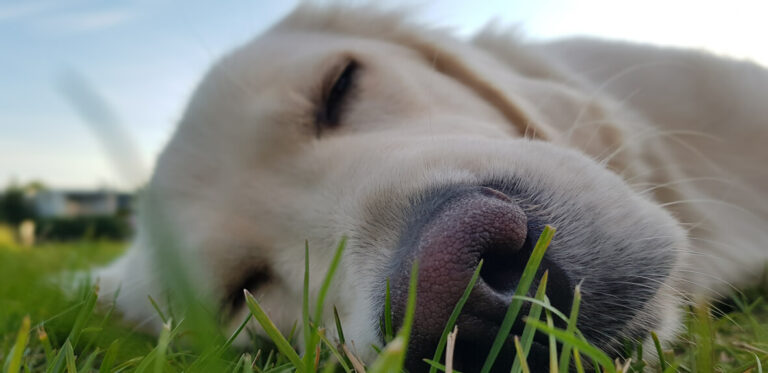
(452, 229)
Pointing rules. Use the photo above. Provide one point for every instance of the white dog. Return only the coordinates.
(349, 122)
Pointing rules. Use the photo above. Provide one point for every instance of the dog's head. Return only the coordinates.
(415, 147)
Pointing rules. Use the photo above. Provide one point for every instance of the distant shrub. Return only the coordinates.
(84, 227)
(14, 206)
(7, 236)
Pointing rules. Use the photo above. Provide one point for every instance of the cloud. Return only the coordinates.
(88, 21)
(16, 11)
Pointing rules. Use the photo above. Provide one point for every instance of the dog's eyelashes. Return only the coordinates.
(332, 104)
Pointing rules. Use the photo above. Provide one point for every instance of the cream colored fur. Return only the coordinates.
(676, 136)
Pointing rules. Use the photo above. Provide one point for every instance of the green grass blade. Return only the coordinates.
(704, 334)
(146, 362)
(17, 353)
(274, 334)
(659, 351)
(69, 354)
(157, 309)
(86, 311)
(522, 288)
(58, 363)
(335, 352)
(339, 329)
(529, 331)
(330, 367)
(454, 315)
(236, 333)
(42, 336)
(328, 279)
(392, 357)
(162, 347)
(105, 319)
(438, 366)
(388, 331)
(109, 357)
(410, 311)
(309, 348)
(519, 352)
(311, 336)
(552, 344)
(292, 333)
(545, 305)
(672, 368)
(584, 347)
(565, 354)
(87, 367)
(239, 365)
(577, 361)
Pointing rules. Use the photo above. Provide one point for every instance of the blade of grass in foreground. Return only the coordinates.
(162, 348)
(659, 351)
(455, 316)
(309, 350)
(392, 357)
(577, 361)
(69, 354)
(42, 336)
(439, 366)
(86, 311)
(552, 342)
(274, 334)
(530, 331)
(522, 288)
(519, 352)
(17, 352)
(571, 329)
(236, 333)
(704, 334)
(388, 332)
(334, 351)
(109, 357)
(584, 347)
(328, 278)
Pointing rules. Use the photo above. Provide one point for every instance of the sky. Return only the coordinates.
(143, 58)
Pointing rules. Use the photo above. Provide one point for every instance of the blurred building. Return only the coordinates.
(74, 203)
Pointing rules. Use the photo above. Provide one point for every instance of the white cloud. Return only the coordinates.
(16, 11)
(88, 21)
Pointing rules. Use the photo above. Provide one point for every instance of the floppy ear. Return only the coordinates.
(488, 77)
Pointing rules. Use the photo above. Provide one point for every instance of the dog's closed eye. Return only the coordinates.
(252, 280)
(335, 96)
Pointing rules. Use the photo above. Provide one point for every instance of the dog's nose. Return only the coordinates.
(452, 231)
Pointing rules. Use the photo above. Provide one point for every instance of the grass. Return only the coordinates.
(43, 329)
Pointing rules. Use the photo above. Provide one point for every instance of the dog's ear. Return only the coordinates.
(490, 78)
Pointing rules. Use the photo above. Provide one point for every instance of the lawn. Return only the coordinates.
(66, 331)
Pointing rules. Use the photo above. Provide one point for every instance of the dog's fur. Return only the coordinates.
(649, 161)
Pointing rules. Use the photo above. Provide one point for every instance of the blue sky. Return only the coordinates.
(144, 57)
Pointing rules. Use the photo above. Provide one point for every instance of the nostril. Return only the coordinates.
(502, 267)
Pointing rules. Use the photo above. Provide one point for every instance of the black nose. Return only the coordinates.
(452, 230)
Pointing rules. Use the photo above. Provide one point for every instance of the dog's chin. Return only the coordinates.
(621, 260)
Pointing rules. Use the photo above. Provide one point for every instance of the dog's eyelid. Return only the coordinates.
(335, 92)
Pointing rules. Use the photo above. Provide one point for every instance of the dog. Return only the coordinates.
(417, 146)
